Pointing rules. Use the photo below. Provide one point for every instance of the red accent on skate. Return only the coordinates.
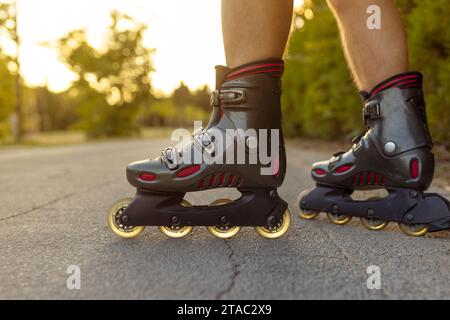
(221, 179)
(147, 176)
(344, 168)
(201, 184)
(361, 179)
(277, 75)
(320, 172)
(212, 180)
(230, 180)
(255, 67)
(188, 171)
(370, 175)
(254, 72)
(354, 180)
(391, 83)
(414, 168)
(403, 83)
(377, 179)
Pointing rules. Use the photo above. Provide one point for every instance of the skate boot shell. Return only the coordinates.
(394, 154)
(242, 147)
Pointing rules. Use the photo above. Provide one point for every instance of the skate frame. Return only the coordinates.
(256, 207)
(401, 205)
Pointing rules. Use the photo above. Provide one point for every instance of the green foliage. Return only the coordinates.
(114, 83)
(6, 97)
(182, 108)
(428, 26)
(112, 96)
(55, 111)
(319, 98)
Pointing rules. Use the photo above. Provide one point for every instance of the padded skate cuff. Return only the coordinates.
(403, 81)
(273, 68)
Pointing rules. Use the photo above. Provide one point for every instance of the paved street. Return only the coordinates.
(53, 206)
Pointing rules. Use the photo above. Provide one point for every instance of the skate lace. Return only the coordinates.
(202, 140)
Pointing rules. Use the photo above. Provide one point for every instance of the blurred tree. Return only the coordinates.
(428, 24)
(319, 99)
(201, 98)
(10, 85)
(114, 83)
(6, 97)
(55, 110)
(182, 95)
(190, 105)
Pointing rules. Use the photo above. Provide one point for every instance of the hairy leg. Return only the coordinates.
(373, 55)
(255, 30)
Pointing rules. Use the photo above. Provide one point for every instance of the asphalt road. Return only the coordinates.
(53, 205)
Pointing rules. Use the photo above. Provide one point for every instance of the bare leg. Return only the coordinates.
(373, 55)
(255, 30)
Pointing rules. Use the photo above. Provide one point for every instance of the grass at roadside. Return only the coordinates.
(59, 138)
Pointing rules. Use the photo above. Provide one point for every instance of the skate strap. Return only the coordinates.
(371, 110)
(235, 96)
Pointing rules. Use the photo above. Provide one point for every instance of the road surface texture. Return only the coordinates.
(53, 210)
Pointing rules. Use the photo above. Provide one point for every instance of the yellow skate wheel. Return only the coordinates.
(374, 224)
(414, 230)
(304, 214)
(223, 232)
(113, 220)
(339, 219)
(177, 232)
(277, 231)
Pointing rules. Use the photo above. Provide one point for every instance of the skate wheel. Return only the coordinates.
(374, 224)
(113, 220)
(415, 230)
(339, 219)
(278, 230)
(304, 214)
(223, 232)
(177, 232)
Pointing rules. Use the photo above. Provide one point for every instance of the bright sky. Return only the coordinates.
(186, 34)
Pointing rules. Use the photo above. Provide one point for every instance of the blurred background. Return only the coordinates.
(76, 70)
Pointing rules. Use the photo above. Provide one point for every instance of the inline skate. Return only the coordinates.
(395, 155)
(242, 147)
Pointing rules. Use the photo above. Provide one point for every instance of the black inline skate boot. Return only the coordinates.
(395, 155)
(242, 147)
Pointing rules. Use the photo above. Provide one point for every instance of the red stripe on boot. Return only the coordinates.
(271, 68)
(255, 67)
(278, 71)
(394, 83)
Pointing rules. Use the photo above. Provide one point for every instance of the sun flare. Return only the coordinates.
(186, 35)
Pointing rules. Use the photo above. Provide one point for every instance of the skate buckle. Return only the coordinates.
(371, 111)
(227, 96)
